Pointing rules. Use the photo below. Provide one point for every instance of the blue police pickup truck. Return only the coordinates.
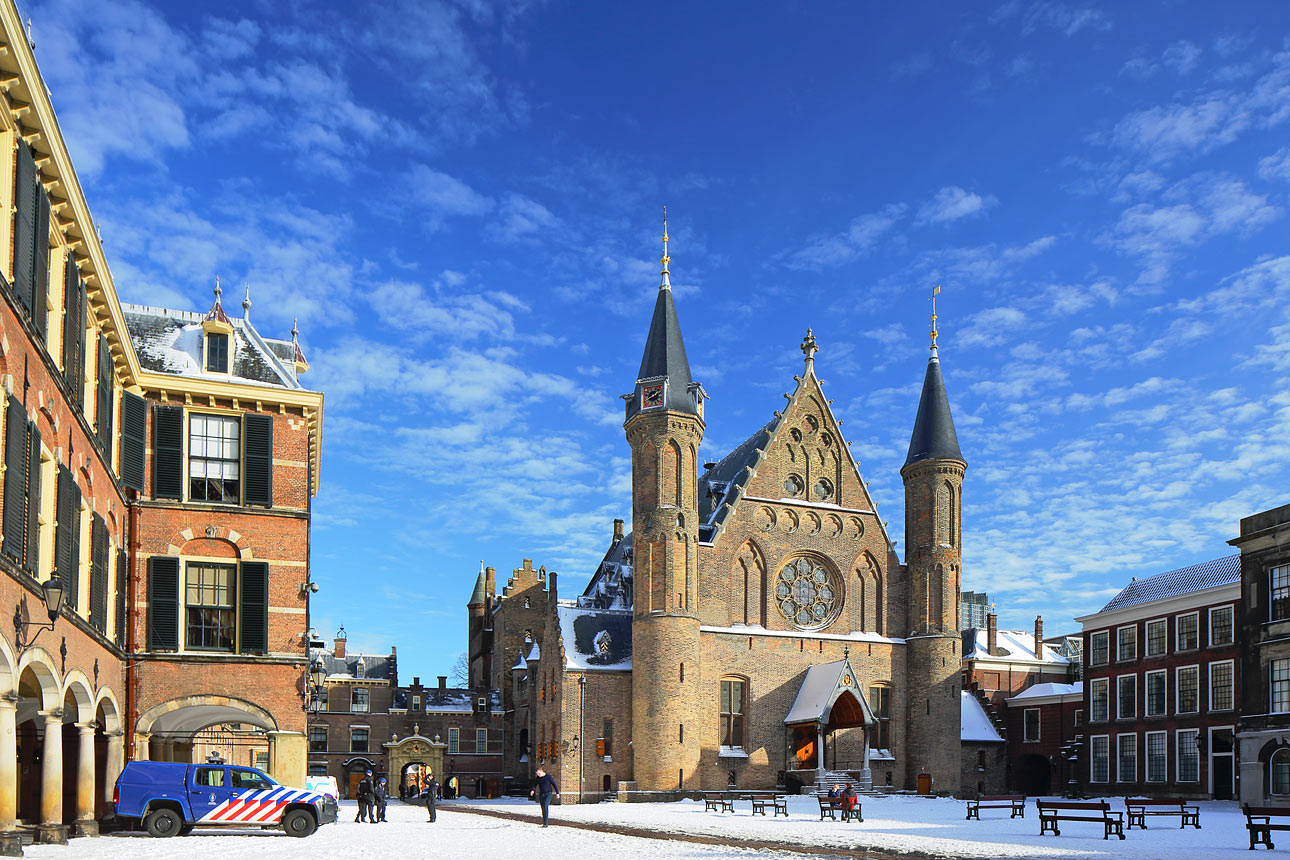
(169, 799)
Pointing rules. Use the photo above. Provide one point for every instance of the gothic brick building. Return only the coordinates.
(756, 625)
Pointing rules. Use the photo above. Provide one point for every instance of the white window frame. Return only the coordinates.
(1272, 696)
(1092, 758)
(1146, 693)
(367, 729)
(1178, 754)
(454, 741)
(1146, 645)
(1092, 648)
(1119, 681)
(484, 735)
(1119, 756)
(1231, 664)
(1147, 745)
(1178, 646)
(1119, 644)
(1092, 700)
(1272, 603)
(366, 707)
(1231, 627)
(1025, 725)
(1178, 688)
(1271, 777)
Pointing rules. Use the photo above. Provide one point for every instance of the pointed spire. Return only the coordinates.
(246, 303)
(216, 313)
(664, 361)
(477, 596)
(934, 437)
(666, 283)
(218, 291)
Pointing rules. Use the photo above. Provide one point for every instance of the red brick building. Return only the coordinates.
(1161, 672)
(158, 468)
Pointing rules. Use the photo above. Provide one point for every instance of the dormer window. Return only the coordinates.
(216, 352)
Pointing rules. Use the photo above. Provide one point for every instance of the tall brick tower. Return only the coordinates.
(933, 476)
(664, 427)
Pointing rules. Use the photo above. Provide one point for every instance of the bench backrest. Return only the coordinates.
(1267, 810)
(987, 798)
(1153, 801)
(1072, 804)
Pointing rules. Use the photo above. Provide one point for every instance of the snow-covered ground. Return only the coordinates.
(892, 824)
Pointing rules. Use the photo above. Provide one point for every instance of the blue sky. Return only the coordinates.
(461, 202)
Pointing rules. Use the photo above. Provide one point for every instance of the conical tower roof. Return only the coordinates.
(477, 596)
(933, 437)
(664, 357)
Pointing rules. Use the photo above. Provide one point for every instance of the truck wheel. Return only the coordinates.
(298, 822)
(163, 822)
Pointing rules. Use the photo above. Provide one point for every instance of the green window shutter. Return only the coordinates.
(31, 562)
(67, 540)
(24, 227)
(106, 388)
(254, 607)
(257, 434)
(98, 573)
(122, 570)
(134, 439)
(168, 452)
(163, 604)
(73, 329)
(15, 479)
(40, 275)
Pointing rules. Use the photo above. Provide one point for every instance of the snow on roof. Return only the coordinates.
(171, 342)
(820, 688)
(974, 725)
(520, 663)
(1009, 644)
(1038, 690)
(1209, 574)
(534, 654)
(595, 639)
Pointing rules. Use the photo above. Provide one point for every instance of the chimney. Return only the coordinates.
(490, 584)
(443, 682)
(1039, 637)
(550, 585)
(618, 532)
(339, 650)
(991, 634)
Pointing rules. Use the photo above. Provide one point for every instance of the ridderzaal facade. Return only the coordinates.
(756, 626)
(159, 466)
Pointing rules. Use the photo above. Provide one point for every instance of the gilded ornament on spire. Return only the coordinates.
(936, 291)
(666, 283)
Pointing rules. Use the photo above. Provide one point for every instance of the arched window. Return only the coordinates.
(1279, 771)
(733, 707)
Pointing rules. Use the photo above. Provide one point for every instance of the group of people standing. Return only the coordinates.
(372, 797)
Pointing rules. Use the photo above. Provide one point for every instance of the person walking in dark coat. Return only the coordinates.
(432, 788)
(542, 790)
(381, 795)
(363, 792)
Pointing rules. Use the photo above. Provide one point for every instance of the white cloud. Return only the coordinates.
(1182, 57)
(839, 248)
(991, 326)
(445, 196)
(952, 203)
(523, 219)
(1276, 165)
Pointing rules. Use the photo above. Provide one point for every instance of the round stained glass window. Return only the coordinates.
(793, 486)
(809, 594)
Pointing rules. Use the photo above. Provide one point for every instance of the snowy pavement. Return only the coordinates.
(892, 825)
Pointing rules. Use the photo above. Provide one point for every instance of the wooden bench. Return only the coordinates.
(1053, 811)
(1258, 821)
(1016, 803)
(762, 799)
(1139, 808)
(830, 806)
(718, 801)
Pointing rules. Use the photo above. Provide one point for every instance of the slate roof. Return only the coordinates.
(596, 638)
(721, 484)
(1009, 644)
(1208, 574)
(171, 342)
(477, 596)
(375, 666)
(819, 691)
(933, 437)
(611, 585)
(664, 356)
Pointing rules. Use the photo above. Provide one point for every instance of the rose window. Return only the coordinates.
(809, 594)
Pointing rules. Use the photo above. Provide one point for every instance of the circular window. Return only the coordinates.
(809, 595)
(823, 490)
(793, 486)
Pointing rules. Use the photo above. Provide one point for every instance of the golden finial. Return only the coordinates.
(936, 291)
(666, 283)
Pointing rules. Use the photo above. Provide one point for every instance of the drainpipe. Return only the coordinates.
(582, 733)
(132, 617)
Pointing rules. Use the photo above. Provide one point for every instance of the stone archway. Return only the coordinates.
(414, 750)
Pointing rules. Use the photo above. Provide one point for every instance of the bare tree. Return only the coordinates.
(461, 670)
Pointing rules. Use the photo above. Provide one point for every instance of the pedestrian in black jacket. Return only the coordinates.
(542, 790)
(381, 795)
(432, 788)
(364, 794)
